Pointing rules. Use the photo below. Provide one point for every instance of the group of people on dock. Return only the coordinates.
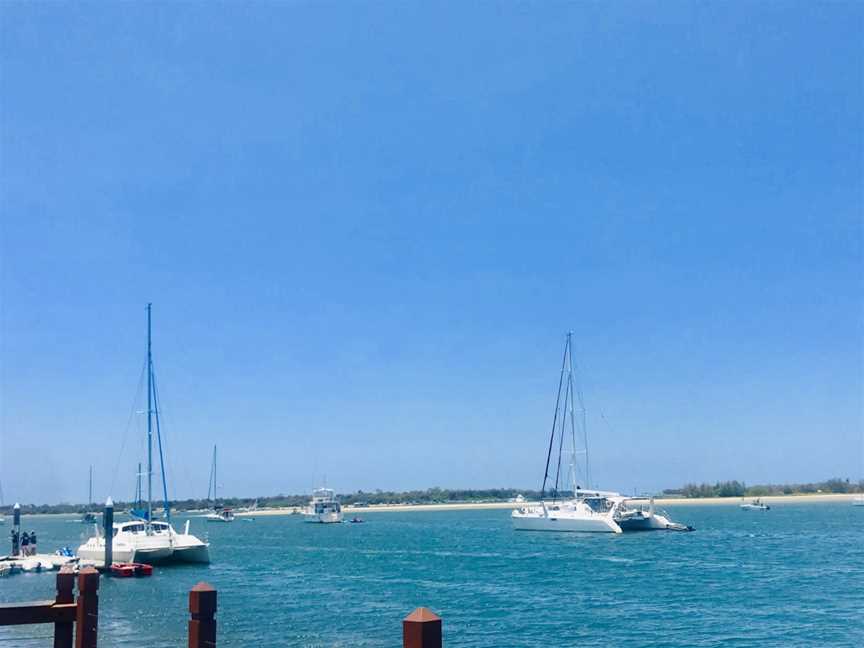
(27, 542)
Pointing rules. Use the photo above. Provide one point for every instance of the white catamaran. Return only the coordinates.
(583, 509)
(217, 514)
(143, 539)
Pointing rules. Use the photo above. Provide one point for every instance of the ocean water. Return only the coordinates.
(793, 576)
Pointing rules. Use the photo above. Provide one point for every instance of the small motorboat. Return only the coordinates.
(756, 505)
(129, 570)
(356, 520)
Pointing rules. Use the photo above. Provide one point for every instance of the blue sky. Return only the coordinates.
(366, 227)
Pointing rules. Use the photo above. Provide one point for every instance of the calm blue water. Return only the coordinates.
(793, 576)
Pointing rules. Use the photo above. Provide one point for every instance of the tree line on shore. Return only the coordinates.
(740, 489)
(436, 495)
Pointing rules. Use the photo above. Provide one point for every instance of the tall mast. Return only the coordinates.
(90, 490)
(149, 421)
(214, 475)
(570, 385)
(572, 420)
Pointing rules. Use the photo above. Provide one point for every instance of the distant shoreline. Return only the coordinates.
(820, 498)
(806, 498)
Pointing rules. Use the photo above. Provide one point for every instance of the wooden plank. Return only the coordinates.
(36, 612)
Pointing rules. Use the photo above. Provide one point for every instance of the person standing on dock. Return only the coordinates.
(25, 544)
(15, 541)
(33, 551)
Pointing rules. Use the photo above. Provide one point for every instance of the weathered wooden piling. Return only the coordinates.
(66, 597)
(108, 532)
(421, 629)
(202, 609)
(87, 612)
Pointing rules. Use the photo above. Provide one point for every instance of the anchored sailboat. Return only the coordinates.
(143, 540)
(582, 509)
(217, 514)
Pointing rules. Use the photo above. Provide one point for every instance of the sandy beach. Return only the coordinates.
(820, 498)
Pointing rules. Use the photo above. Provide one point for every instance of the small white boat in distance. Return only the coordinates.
(858, 500)
(217, 514)
(756, 505)
(224, 515)
(323, 508)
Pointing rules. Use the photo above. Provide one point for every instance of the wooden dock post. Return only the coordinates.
(421, 629)
(202, 624)
(87, 612)
(65, 585)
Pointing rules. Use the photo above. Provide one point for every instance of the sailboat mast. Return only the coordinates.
(572, 419)
(149, 421)
(90, 491)
(214, 475)
(571, 380)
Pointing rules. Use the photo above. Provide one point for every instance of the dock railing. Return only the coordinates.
(76, 622)
(64, 611)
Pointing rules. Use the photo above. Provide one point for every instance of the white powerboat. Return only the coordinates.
(756, 505)
(858, 500)
(583, 510)
(323, 507)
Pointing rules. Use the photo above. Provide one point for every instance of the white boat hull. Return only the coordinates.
(539, 519)
(570, 525)
(333, 517)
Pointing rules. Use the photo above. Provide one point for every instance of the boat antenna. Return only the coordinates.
(554, 425)
(149, 420)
